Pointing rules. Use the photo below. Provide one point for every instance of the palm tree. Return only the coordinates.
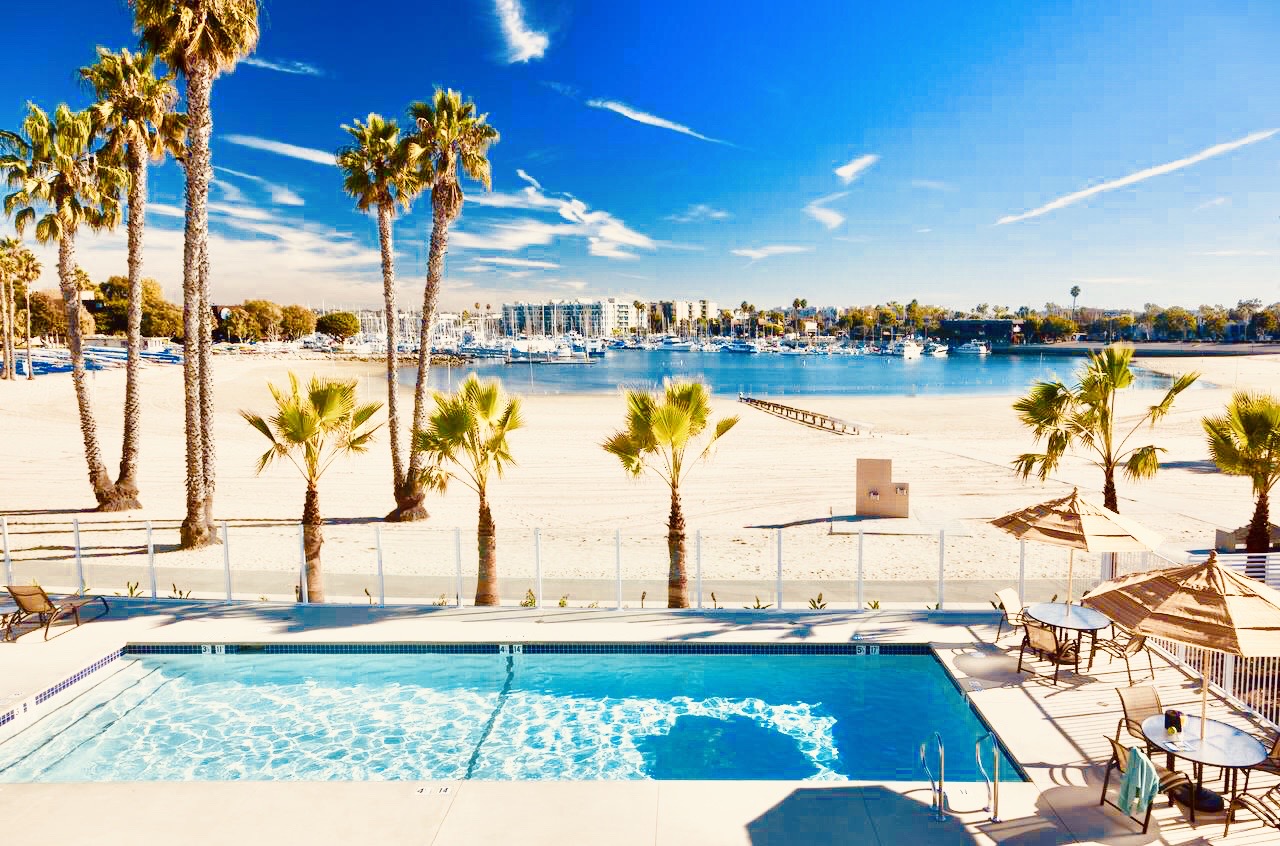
(1245, 441)
(134, 115)
(1084, 416)
(450, 133)
(657, 437)
(62, 177)
(8, 270)
(383, 171)
(313, 430)
(28, 271)
(199, 39)
(466, 440)
(639, 307)
(1075, 292)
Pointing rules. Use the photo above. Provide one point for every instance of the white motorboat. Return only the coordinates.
(935, 349)
(973, 348)
(741, 348)
(677, 345)
(906, 348)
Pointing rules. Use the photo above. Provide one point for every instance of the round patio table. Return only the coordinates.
(1223, 746)
(1076, 618)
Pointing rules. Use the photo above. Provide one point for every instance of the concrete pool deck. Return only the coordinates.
(1056, 733)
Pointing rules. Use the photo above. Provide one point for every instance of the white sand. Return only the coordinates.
(954, 451)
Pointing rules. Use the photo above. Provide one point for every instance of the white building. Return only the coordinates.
(592, 318)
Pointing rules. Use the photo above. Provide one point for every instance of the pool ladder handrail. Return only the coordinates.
(937, 788)
(993, 780)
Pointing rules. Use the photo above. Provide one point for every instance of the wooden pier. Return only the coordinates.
(812, 419)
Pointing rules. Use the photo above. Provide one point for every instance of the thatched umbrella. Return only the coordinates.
(1207, 605)
(1076, 523)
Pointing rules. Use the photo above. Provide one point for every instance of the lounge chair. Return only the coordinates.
(1044, 642)
(1012, 608)
(1138, 702)
(1265, 806)
(1135, 645)
(1169, 779)
(32, 601)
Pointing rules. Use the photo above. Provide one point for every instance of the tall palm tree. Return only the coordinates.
(657, 438)
(382, 171)
(1084, 416)
(466, 439)
(134, 115)
(452, 135)
(8, 270)
(28, 271)
(62, 184)
(313, 430)
(1245, 441)
(638, 307)
(1075, 292)
(199, 39)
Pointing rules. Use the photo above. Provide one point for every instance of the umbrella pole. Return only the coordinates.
(1071, 567)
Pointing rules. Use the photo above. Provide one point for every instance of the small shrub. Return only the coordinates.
(131, 589)
(529, 600)
(366, 593)
(873, 605)
(757, 606)
(715, 605)
(593, 605)
(442, 601)
(564, 601)
(179, 594)
(817, 602)
(643, 595)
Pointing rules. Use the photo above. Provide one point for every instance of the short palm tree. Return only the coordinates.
(61, 185)
(312, 430)
(466, 439)
(657, 438)
(199, 39)
(382, 171)
(452, 135)
(134, 115)
(1084, 417)
(1245, 441)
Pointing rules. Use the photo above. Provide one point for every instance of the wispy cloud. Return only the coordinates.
(757, 253)
(517, 262)
(932, 185)
(293, 151)
(523, 43)
(923, 230)
(818, 210)
(302, 68)
(1208, 204)
(1141, 175)
(1234, 253)
(650, 120)
(281, 195)
(852, 170)
(699, 213)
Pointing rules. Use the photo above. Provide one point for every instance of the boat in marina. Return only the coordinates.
(936, 349)
(740, 348)
(905, 348)
(673, 344)
(974, 347)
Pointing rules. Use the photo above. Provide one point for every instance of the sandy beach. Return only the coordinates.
(769, 473)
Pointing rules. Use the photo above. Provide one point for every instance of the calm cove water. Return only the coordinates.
(777, 375)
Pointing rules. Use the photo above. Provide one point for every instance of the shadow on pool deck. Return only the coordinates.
(844, 815)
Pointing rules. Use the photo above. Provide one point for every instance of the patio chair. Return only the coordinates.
(1011, 610)
(1138, 702)
(1134, 646)
(1265, 806)
(32, 601)
(1044, 642)
(1169, 780)
(1270, 764)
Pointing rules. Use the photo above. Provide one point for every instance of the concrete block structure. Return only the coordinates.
(878, 494)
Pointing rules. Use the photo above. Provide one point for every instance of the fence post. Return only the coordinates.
(1022, 571)
(226, 558)
(151, 560)
(942, 565)
(617, 562)
(382, 582)
(302, 566)
(457, 563)
(537, 564)
(779, 531)
(75, 525)
(1229, 673)
(8, 562)
(861, 599)
(697, 557)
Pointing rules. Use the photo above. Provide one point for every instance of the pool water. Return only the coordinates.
(504, 717)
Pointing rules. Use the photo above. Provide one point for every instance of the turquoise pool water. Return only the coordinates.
(505, 717)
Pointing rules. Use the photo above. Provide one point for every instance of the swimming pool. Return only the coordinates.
(483, 711)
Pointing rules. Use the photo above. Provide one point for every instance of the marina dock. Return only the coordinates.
(808, 418)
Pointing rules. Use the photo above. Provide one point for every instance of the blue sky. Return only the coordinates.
(843, 152)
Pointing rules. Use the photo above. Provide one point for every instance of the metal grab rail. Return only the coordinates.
(939, 787)
(993, 781)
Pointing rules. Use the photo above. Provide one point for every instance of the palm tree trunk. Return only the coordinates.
(13, 332)
(6, 367)
(127, 483)
(98, 476)
(677, 577)
(385, 213)
(312, 539)
(1259, 538)
(487, 547)
(409, 498)
(195, 530)
(1109, 490)
(30, 374)
(208, 456)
